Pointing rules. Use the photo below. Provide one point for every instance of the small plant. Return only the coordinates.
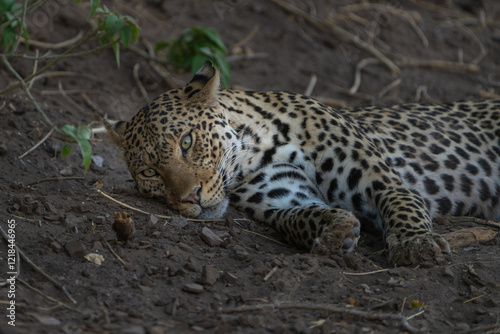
(10, 12)
(193, 47)
(81, 135)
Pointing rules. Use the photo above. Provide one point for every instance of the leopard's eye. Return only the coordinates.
(186, 142)
(149, 172)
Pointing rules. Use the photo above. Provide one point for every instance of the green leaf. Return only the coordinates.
(116, 49)
(161, 45)
(112, 25)
(66, 150)
(83, 132)
(225, 68)
(125, 35)
(134, 28)
(70, 130)
(94, 5)
(197, 62)
(86, 150)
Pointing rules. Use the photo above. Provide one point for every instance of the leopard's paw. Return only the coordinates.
(416, 249)
(340, 232)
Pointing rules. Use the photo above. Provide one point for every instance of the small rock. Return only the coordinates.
(72, 220)
(241, 253)
(448, 272)
(351, 260)
(210, 275)
(75, 248)
(85, 273)
(172, 307)
(99, 220)
(210, 237)
(68, 171)
(193, 288)
(55, 246)
(185, 247)
(153, 219)
(179, 221)
(229, 278)
(50, 208)
(97, 246)
(134, 329)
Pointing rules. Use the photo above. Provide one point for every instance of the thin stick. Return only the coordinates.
(27, 91)
(389, 87)
(148, 213)
(37, 144)
(366, 273)
(35, 68)
(54, 46)
(357, 73)
(247, 38)
(474, 298)
(116, 255)
(58, 303)
(339, 33)
(69, 99)
(271, 273)
(445, 65)
(266, 237)
(311, 85)
(324, 307)
(40, 271)
(144, 93)
(56, 179)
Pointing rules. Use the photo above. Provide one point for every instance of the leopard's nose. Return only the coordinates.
(193, 197)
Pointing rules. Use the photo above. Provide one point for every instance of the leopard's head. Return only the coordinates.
(176, 147)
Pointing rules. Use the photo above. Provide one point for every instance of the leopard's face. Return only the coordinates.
(176, 149)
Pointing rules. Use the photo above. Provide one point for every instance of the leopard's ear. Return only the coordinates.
(116, 130)
(205, 85)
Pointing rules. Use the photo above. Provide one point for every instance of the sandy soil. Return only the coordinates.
(173, 278)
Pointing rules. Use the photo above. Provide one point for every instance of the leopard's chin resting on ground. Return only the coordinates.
(315, 173)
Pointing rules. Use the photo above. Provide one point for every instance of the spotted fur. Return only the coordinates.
(312, 172)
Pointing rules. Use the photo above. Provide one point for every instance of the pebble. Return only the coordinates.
(229, 278)
(99, 220)
(193, 288)
(210, 237)
(241, 253)
(210, 275)
(75, 248)
(135, 329)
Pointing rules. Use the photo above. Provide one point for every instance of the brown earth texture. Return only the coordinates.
(234, 275)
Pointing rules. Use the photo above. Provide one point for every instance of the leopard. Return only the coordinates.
(314, 173)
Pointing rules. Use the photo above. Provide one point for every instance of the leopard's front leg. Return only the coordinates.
(282, 196)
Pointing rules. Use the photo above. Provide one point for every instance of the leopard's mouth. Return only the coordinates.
(198, 211)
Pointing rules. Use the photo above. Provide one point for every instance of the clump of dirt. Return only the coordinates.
(170, 275)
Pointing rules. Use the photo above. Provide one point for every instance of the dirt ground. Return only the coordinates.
(176, 276)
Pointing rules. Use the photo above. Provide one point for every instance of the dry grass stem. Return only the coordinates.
(311, 85)
(36, 145)
(53, 46)
(366, 273)
(389, 87)
(116, 255)
(138, 82)
(56, 179)
(266, 237)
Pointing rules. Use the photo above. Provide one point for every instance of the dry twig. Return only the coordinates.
(36, 145)
(116, 255)
(54, 46)
(56, 179)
